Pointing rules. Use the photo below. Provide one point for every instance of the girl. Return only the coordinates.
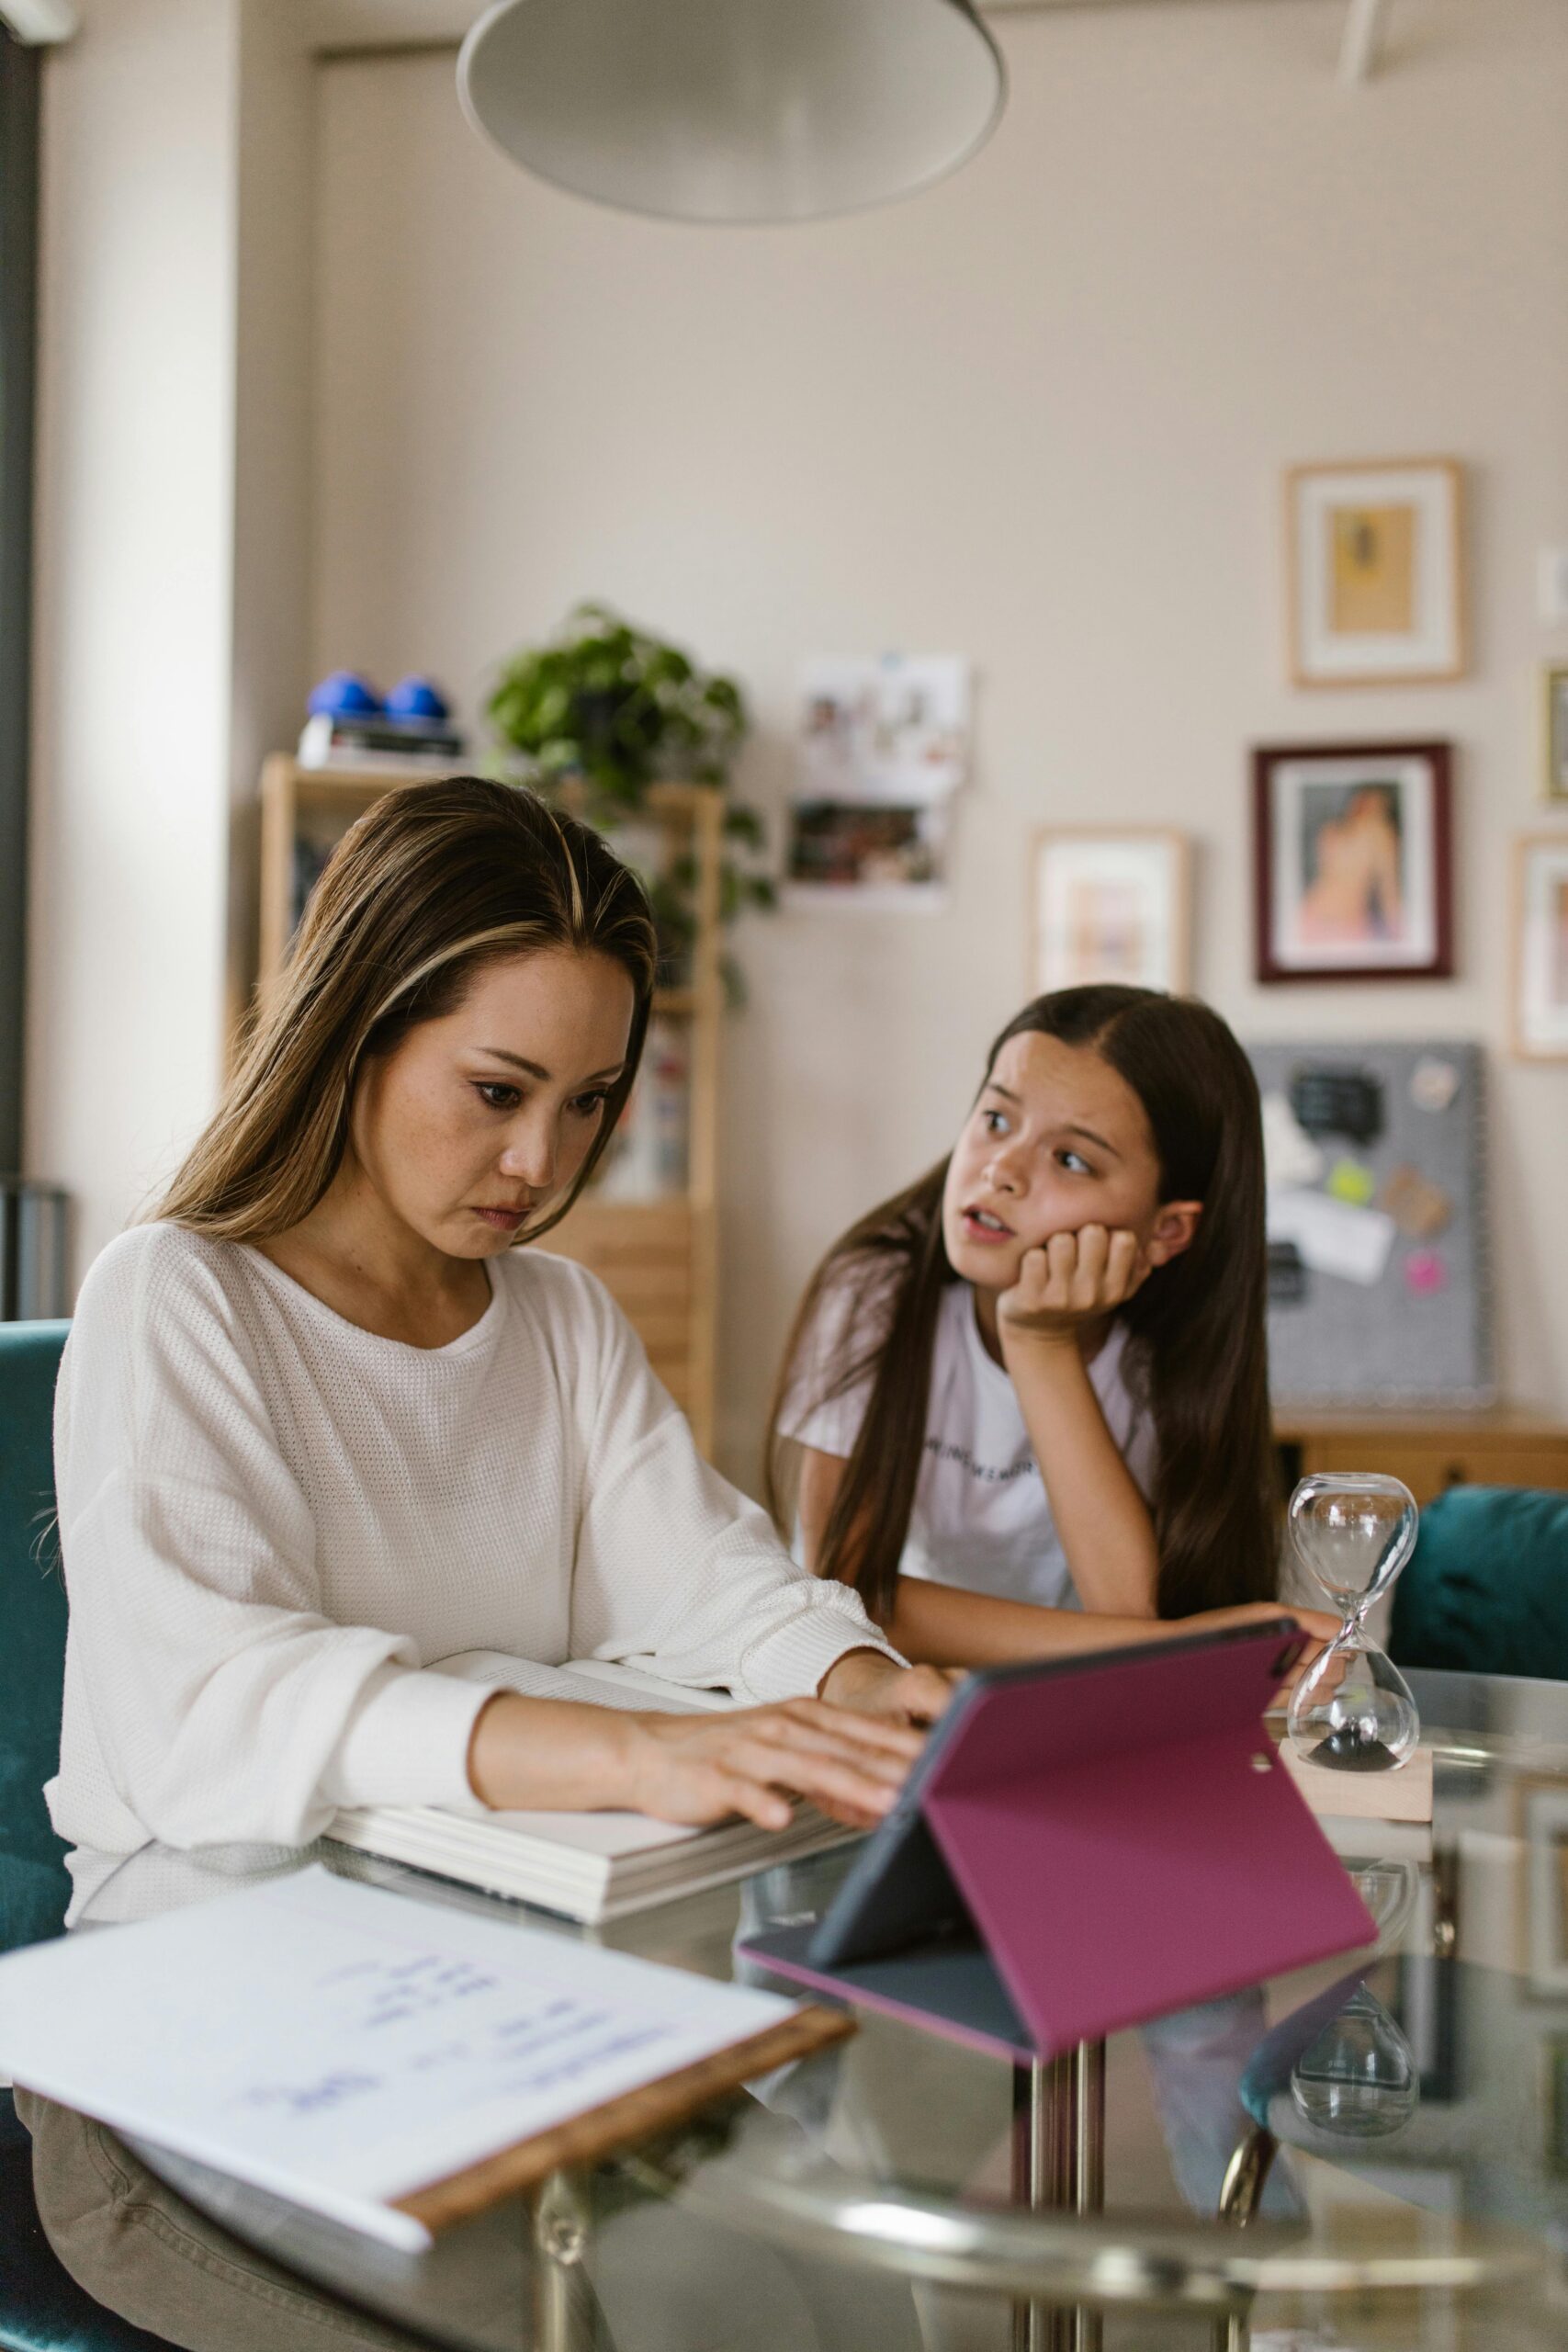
(344, 1476)
(1031, 1391)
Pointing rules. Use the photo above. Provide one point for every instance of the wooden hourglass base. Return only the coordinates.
(1404, 1794)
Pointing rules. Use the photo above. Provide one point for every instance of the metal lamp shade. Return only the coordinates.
(734, 111)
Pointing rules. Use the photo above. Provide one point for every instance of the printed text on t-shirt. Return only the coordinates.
(1024, 1467)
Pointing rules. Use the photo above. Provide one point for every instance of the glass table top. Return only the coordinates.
(1416, 2095)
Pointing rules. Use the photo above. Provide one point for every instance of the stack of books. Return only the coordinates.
(591, 1866)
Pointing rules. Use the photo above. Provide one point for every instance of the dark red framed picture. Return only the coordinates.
(1353, 860)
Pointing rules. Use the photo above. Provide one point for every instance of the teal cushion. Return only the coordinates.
(41, 2307)
(34, 1888)
(1487, 1587)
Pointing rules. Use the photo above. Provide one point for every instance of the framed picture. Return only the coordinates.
(1353, 863)
(867, 853)
(1540, 947)
(1554, 731)
(1375, 589)
(1109, 905)
(1543, 1907)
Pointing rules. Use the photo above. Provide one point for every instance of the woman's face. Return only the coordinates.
(1056, 1140)
(477, 1120)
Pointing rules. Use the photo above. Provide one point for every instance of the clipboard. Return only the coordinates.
(1086, 1843)
(390, 2063)
(622, 2123)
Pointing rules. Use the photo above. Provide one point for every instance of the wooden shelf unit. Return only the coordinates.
(1497, 1445)
(657, 1257)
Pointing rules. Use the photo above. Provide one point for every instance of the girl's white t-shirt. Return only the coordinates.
(982, 1518)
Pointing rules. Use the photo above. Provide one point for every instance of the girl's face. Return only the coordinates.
(1056, 1140)
(475, 1121)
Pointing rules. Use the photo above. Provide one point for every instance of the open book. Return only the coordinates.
(590, 1866)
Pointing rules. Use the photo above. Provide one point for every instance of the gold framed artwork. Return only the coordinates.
(1554, 731)
(1375, 571)
(1109, 904)
(1540, 947)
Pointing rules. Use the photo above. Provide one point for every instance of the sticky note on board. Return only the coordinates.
(1352, 1180)
(1425, 1273)
(1290, 1155)
(1433, 1084)
(1417, 1206)
(1333, 1237)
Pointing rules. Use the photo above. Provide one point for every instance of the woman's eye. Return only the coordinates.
(1075, 1163)
(498, 1095)
(994, 1122)
(588, 1106)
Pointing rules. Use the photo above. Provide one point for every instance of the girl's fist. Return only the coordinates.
(1073, 1279)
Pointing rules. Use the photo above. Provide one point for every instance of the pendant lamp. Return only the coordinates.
(734, 111)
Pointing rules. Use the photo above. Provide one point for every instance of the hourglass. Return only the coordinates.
(1359, 2080)
(1353, 1710)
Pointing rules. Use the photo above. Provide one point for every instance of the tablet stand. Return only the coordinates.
(1058, 2167)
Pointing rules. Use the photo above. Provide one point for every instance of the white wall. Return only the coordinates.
(274, 224)
(172, 557)
(1038, 415)
(129, 824)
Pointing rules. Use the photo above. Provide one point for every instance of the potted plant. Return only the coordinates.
(604, 711)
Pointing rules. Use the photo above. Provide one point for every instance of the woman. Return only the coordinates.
(343, 1478)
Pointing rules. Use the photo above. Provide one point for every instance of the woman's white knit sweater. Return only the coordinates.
(284, 1537)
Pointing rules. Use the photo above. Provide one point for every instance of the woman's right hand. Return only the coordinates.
(702, 1768)
(529, 1753)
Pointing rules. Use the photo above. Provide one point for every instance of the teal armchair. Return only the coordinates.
(41, 2307)
(34, 1886)
(1487, 1587)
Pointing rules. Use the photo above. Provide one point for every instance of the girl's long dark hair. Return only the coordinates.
(1199, 1319)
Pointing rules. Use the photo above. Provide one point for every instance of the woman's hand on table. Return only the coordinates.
(850, 1763)
(847, 1751)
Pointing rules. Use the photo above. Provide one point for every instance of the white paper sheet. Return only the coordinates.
(1290, 1155)
(341, 2045)
(1333, 1237)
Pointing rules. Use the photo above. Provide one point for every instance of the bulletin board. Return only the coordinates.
(1379, 1268)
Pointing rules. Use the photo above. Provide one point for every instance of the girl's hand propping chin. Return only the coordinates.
(1073, 1278)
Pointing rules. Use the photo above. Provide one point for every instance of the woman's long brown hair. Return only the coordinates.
(1199, 1319)
(432, 883)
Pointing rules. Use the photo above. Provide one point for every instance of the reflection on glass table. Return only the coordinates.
(887, 2194)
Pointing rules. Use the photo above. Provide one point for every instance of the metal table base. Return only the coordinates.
(1058, 2167)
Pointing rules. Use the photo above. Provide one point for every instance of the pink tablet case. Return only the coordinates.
(1115, 1877)
(1127, 1841)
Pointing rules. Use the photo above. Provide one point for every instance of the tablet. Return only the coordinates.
(900, 1890)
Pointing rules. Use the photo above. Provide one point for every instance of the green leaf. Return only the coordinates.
(612, 708)
(743, 824)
